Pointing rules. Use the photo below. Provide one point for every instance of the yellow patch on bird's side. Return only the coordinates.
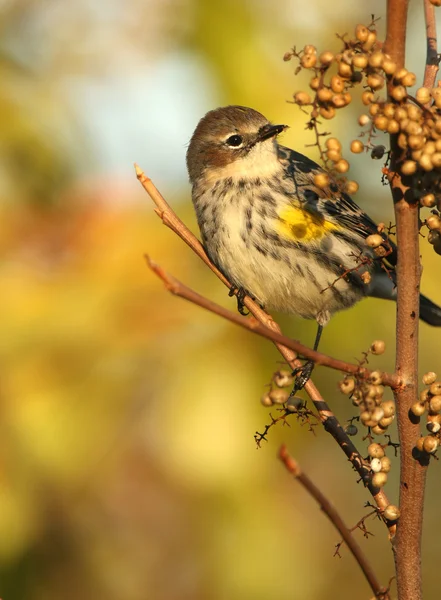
(299, 224)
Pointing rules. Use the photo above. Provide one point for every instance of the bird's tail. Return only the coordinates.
(430, 312)
(384, 286)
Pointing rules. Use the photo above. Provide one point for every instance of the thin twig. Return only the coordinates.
(327, 417)
(251, 324)
(330, 511)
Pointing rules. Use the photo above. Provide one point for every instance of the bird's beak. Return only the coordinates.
(269, 131)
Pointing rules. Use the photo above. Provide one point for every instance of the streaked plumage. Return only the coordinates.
(272, 231)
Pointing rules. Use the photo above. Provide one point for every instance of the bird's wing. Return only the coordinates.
(337, 206)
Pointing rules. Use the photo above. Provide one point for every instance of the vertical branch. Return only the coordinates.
(407, 542)
(432, 60)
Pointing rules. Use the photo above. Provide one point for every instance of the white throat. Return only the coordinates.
(261, 161)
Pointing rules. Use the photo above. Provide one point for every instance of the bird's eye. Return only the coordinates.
(235, 140)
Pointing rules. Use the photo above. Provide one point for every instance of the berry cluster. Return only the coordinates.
(281, 384)
(380, 465)
(415, 122)
(367, 394)
(429, 402)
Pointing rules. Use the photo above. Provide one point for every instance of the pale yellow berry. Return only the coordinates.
(363, 120)
(337, 84)
(347, 386)
(408, 79)
(393, 127)
(435, 388)
(375, 450)
(334, 155)
(388, 408)
(314, 84)
(302, 98)
(400, 74)
(420, 444)
(379, 479)
(370, 42)
(423, 95)
(418, 409)
(376, 465)
(378, 347)
(400, 113)
(338, 100)
(342, 166)
(360, 61)
(344, 70)
(357, 146)
(435, 404)
(351, 187)
(310, 49)
(378, 430)
(283, 378)
(428, 201)
(429, 378)
(308, 61)
(279, 396)
(402, 141)
(333, 143)
(375, 81)
(433, 222)
(425, 162)
(324, 94)
(415, 142)
(327, 113)
(326, 58)
(409, 167)
(376, 59)
(381, 122)
(385, 464)
(361, 33)
(398, 93)
(367, 98)
(374, 240)
(389, 67)
(391, 512)
(266, 400)
(430, 444)
(436, 160)
(386, 421)
(321, 180)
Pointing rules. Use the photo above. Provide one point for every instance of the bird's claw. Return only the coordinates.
(302, 375)
(241, 293)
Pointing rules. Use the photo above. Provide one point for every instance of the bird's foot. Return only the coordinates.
(302, 375)
(241, 293)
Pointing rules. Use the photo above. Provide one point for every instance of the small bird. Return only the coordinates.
(276, 235)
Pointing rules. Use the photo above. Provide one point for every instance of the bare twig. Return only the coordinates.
(179, 289)
(327, 417)
(330, 511)
(407, 542)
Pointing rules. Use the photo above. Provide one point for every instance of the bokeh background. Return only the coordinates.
(128, 468)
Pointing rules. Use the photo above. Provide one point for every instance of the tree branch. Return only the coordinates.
(407, 543)
(179, 289)
(330, 511)
(432, 59)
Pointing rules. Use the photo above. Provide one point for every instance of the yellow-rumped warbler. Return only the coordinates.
(291, 245)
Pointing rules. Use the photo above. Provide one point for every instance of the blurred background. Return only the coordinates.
(128, 467)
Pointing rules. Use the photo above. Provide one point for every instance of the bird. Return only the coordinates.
(292, 245)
